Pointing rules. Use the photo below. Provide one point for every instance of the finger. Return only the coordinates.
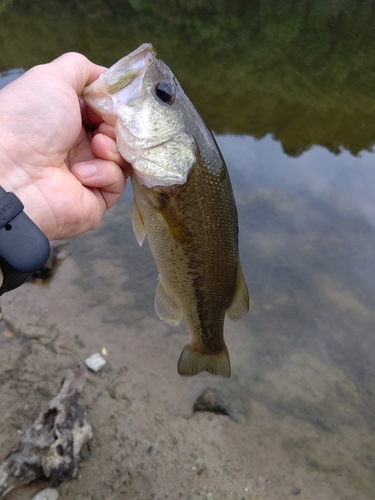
(89, 118)
(81, 150)
(105, 175)
(106, 148)
(77, 70)
(106, 129)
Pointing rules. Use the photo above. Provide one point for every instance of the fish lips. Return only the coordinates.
(105, 93)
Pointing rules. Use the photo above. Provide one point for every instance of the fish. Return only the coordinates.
(183, 202)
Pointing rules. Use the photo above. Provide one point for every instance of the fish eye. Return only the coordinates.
(164, 92)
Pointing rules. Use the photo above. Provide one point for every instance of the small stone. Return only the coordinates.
(296, 491)
(199, 466)
(47, 494)
(95, 362)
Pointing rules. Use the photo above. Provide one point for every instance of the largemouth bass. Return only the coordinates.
(183, 202)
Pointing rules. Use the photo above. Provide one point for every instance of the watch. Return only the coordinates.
(23, 247)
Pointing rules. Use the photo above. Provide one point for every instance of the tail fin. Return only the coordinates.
(192, 362)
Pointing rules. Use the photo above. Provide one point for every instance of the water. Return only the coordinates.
(288, 89)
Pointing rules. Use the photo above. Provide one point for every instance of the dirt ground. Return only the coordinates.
(147, 442)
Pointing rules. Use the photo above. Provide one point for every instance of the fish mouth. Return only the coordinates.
(122, 74)
(140, 57)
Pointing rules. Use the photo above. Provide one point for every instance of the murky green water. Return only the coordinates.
(288, 89)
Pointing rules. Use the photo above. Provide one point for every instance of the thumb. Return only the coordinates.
(108, 179)
(77, 70)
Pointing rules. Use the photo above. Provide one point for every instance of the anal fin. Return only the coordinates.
(240, 302)
(165, 308)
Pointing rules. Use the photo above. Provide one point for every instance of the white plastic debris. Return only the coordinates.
(47, 494)
(95, 362)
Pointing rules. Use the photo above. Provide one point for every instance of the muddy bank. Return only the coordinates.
(147, 443)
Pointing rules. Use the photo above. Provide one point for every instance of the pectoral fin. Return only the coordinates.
(240, 303)
(165, 308)
(138, 225)
(171, 220)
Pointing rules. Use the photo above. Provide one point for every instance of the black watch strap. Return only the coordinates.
(23, 247)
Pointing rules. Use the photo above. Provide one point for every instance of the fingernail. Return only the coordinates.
(85, 169)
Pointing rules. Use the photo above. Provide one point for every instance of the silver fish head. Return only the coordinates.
(142, 99)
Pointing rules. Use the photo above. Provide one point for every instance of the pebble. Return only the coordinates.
(296, 491)
(95, 362)
(199, 466)
(47, 494)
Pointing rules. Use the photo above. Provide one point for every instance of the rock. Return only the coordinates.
(95, 362)
(47, 494)
(220, 401)
(296, 491)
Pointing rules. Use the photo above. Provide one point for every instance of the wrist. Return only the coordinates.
(14, 179)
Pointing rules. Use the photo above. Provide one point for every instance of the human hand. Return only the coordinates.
(65, 176)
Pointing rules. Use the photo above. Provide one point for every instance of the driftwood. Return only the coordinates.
(51, 446)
